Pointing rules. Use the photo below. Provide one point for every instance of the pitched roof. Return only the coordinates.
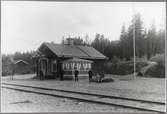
(74, 51)
(37, 54)
(21, 61)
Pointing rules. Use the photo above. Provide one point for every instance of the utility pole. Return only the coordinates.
(134, 42)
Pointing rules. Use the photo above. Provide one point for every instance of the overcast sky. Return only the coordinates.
(26, 24)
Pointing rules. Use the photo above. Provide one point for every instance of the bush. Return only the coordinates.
(115, 60)
(156, 71)
(127, 67)
(140, 65)
(159, 69)
(160, 59)
(123, 68)
(6, 73)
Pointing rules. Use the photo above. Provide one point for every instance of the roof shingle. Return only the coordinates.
(74, 51)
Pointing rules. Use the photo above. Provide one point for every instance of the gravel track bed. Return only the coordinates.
(15, 101)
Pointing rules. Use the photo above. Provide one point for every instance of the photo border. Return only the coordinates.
(96, 1)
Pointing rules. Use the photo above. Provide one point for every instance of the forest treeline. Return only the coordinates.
(148, 43)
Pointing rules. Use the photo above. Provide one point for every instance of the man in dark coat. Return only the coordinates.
(76, 72)
(90, 75)
(62, 75)
(41, 76)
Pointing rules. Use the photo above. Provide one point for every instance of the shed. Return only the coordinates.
(21, 67)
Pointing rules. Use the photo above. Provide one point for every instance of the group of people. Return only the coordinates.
(76, 73)
(90, 73)
(98, 77)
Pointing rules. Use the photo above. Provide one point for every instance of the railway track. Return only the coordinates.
(143, 105)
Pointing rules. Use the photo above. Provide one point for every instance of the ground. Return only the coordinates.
(142, 88)
(14, 101)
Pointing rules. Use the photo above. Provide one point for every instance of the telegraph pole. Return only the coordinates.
(134, 42)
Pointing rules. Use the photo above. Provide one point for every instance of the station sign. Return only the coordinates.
(81, 66)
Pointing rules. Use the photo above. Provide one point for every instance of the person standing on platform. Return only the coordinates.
(41, 75)
(13, 73)
(62, 75)
(76, 72)
(90, 75)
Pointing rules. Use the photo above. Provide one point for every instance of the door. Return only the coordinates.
(43, 67)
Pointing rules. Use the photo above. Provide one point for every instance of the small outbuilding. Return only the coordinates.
(21, 67)
(54, 60)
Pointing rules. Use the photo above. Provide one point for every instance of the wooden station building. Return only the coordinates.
(52, 59)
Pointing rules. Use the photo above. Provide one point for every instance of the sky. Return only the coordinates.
(25, 25)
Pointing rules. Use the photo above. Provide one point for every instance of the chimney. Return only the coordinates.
(69, 41)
